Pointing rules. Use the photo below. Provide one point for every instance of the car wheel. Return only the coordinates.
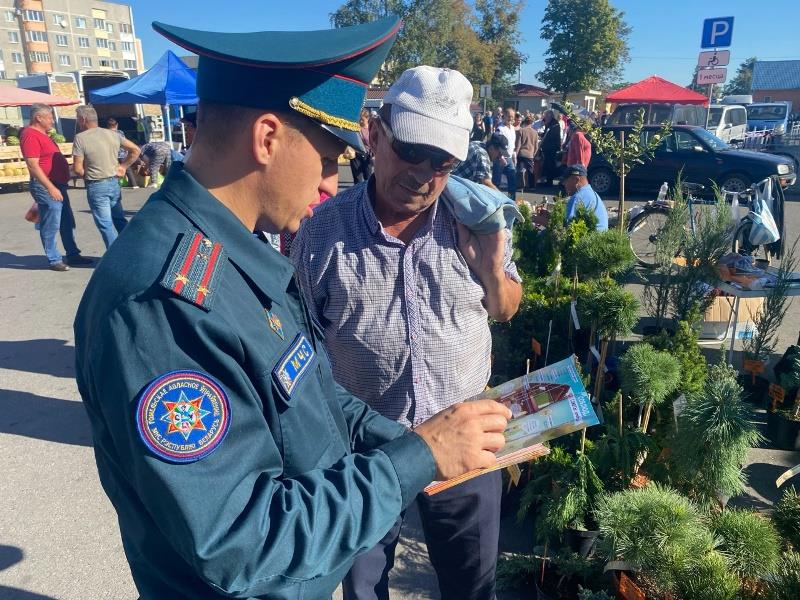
(735, 182)
(603, 181)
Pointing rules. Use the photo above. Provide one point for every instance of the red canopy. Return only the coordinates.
(14, 96)
(656, 90)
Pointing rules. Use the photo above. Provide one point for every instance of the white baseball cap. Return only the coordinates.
(430, 106)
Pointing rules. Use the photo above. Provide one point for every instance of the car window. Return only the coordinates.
(666, 145)
(739, 116)
(685, 142)
(713, 116)
(729, 117)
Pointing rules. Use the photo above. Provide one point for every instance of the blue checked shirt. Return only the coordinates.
(477, 166)
(405, 326)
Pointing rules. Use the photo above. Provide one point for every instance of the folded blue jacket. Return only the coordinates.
(481, 209)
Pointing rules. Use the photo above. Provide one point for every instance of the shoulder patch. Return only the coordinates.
(183, 416)
(195, 269)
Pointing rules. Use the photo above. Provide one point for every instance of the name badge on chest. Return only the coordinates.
(294, 364)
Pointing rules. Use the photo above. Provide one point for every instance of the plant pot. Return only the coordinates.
(542, 595)
(581, 541)
(783, 431)
(755, 391)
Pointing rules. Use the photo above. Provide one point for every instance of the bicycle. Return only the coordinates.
(647, 222)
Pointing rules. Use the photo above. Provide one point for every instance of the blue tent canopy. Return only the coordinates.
(168, 82)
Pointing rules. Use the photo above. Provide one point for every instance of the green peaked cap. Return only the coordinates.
(323, 75)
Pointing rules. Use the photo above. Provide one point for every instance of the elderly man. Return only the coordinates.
(237, 467)
(49, 177)
(94, 153)
(507, 164)
(403, 293)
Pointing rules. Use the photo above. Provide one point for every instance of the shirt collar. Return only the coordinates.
(265, 267)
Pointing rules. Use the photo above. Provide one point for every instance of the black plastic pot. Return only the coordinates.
(542, 595)
(783, 432)
(581, 541)
(755, 392)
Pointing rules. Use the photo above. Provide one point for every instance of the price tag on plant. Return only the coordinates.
(574, 314)
(536, 347)
(754, 366)
(776, 392)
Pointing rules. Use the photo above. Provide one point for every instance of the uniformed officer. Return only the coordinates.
(235, 463)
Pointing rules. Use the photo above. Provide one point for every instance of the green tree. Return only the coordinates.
(588, 44)
(478, 41)
(743, 80)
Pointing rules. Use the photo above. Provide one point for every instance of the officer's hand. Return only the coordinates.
(465, 436)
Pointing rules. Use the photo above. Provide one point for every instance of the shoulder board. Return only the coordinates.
(194, 272)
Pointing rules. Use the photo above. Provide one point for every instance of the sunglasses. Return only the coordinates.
(441, 162)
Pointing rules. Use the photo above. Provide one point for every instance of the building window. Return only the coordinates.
(112, 45)
(33, 15)
(80, 22)
(13, 37)
(101, 43)
(126, 46)
(86, 61)
(767, 98)
(109, 27)
(41, 57)
(10, 16)
(115, 64)
(104, 62)
(64, 60)
(2, 74)
(99, 24)
(83, 42)
(16, 58)
(36, 36)
(61, 40)
(129, 64)
(56, 18)
(125, 28)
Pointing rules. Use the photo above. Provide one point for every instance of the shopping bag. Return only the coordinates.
(764, 230)
(32, 216)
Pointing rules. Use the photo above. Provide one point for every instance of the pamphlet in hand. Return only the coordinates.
(545, 404)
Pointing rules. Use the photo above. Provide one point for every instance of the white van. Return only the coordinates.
(728, 122)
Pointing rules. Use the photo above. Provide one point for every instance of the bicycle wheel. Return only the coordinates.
(643, 232)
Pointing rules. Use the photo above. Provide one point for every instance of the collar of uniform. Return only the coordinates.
(374, 225)
(270, 271)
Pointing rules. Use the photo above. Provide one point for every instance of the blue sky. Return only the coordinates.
(664, 41)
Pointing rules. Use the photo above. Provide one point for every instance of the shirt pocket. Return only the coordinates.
(309, 436)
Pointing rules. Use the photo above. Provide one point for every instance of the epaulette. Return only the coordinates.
(195, 269)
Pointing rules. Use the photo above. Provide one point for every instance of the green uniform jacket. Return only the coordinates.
(304, 480)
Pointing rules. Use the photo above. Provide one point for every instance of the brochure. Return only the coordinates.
(545, 404)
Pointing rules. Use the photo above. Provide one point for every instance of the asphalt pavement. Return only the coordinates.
(58, 532)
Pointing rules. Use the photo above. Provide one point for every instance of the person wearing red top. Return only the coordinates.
(579, 149)
(49, 176)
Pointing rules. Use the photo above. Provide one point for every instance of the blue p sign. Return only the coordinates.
(717, 33)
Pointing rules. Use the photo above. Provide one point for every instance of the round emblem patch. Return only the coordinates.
(183, 416)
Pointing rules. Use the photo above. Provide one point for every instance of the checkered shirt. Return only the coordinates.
(477, 166)
(404, 325)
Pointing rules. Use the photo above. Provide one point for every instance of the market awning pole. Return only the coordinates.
(167, 125)
(183, 126)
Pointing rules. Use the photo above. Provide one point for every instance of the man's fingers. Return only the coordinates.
(489, 407)
(493, 422)
(492, 442)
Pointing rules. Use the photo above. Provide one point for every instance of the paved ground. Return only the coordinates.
(58, 533)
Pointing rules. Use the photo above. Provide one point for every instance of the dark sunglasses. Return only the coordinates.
(414, 154)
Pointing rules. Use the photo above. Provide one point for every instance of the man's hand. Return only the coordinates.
(120, 171)
(56, 194)
(465, 436)
(484, 253)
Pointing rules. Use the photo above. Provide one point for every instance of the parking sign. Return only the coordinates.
(717, 33)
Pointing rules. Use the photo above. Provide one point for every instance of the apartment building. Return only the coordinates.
(51, 36)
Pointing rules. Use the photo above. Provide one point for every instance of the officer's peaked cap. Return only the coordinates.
(323, 75)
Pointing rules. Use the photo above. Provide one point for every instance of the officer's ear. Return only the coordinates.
(267, 132)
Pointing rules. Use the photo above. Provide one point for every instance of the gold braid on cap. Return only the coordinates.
(322, 117)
